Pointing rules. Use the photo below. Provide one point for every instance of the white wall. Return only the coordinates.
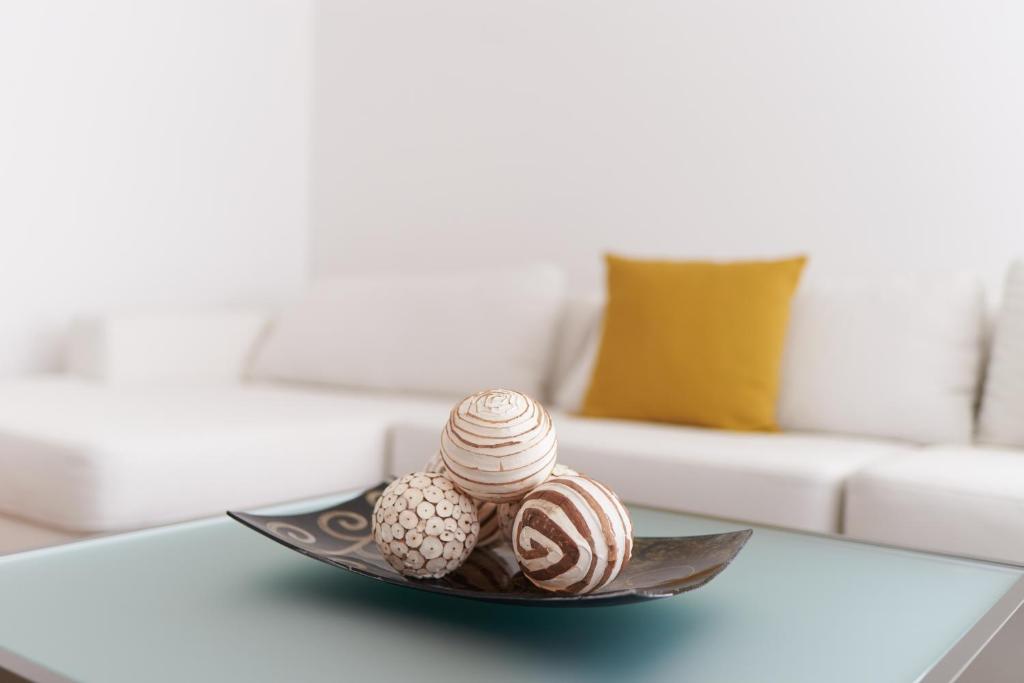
(152, 153)
(878, 134)
(156, 152)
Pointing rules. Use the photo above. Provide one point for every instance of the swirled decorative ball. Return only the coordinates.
(572, 535)
(506, 512)
(498, 444)
(423, 526)
(486, 513)
(492, 570)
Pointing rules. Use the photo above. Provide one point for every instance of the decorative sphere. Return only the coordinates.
(486, 513)
(506, 512)
(497, 445)
(572, 535)
(423, 526)
(492, 570)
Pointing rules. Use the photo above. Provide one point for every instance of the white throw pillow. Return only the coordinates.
(578, 337)
(159, 347)
(453, 334)
(896, 357)
(891, 357)
(1002, 409)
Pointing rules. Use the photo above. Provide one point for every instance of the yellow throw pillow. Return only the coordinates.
(694, 343)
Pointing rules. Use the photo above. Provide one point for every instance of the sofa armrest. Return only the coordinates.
(197, 346)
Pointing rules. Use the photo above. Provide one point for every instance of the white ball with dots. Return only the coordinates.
(486, 513)
(423, 526)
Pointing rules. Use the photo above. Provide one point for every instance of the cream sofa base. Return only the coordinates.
(959, 500)
(85, 457)
(80, 457)
(788, 480)
(17, 535)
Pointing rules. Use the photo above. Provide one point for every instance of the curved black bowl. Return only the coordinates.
(341, 536)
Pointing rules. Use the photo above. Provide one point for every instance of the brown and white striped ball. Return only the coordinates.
(423, 526)
(491, 530)
(498, 444)
(572, 535)
(506, 512)
(492, 570)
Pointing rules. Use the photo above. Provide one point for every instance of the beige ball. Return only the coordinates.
(498, 444)
(506, 512)
(423, 526)
(572, 535)
(491, 531)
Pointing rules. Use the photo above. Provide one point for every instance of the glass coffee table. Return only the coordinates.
(213, 601)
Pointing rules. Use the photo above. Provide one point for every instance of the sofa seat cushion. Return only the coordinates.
(962, 500)
(791, 480)
(86, 457)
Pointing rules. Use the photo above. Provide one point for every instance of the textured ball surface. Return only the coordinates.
(423, 526)
(506, 512)
(497, 445)
(486, 513)
(488, 569)
(572, 535)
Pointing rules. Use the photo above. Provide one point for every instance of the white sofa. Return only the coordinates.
(156, 421)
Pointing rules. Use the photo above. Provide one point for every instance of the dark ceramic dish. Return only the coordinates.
(341, 536)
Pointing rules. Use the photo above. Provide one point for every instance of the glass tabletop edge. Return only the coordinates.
(955, 664)
(26, 669)
(973, 648)
(835, 536)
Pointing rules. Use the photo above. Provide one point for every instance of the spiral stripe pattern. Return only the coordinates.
(572, 535)
(506, 512)
(498, 445)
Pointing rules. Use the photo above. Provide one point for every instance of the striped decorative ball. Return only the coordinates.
(498, 445)
(487, 569)
(423, 526)
(572, 535)
(506, 512)
(487, 513)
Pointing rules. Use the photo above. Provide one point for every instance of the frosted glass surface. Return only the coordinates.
(214, 601)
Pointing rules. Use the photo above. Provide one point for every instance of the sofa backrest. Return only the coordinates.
(214, 345)
(892, 357)
(899, 357)
(896, 357)
(451, 333)
(1001, 420)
